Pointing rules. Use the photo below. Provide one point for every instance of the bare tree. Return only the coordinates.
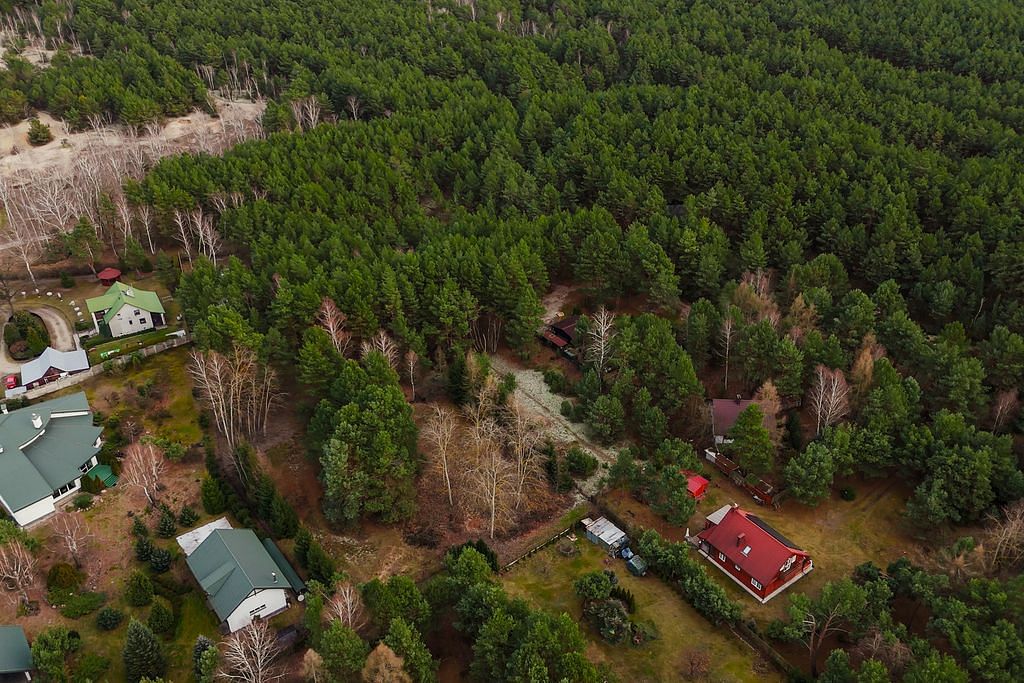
(17, 568)
(523, 434)
(354, 106)
(1005, 538)
(767, 397)
(249, 655)
(313, 669)
(73, 534)
(411, 359)
(347, 607)
(492, 478)
(1005, 408)
(19, 230)
(184, 232)
(893, 653)
(384, 345)
(440, 432)
(384, 666)
(726, 338)
(239, 390)
(601, 337)
(829, 397)
(333, 321)
(143, 467)
(863, 369)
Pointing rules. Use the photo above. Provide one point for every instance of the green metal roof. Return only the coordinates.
(120, 295)
(294, 580)
(37, 461)
(232, 563)
(15, 655)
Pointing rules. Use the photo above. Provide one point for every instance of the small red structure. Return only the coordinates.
(751, 553)
(109, 276)
(696, 485)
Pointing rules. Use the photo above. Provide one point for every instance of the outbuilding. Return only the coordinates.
(52, 365)
(108, 276)
(603, 533)
(637, 565)
(125, 309)
(696, 485)
(15, 655)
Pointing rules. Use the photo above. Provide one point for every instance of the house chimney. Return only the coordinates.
(274, 574)
(129, 292)
(37, 421)
(740, 539)
(3, 408)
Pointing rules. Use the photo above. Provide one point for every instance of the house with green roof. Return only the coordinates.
(244, 579)
(125, 309)
(45, 450)
(15, 655)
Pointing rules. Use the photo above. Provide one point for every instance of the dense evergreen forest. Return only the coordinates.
(839, 185)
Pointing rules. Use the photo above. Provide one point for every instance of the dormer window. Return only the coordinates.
(746, 551)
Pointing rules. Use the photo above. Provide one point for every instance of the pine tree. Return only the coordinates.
(212, 496)
(143, 656)
(168, 525)
(139, 590)
(284, 522)
(161, 618)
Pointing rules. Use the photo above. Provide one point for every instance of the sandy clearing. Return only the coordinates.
(176, 135)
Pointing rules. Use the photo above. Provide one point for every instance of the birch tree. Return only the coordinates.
(523, 434)
(411, 359)
(249, 655)
(440, 432)
(1004, 409)
(73, 534)
(17, 568)
(384, 345)
(347, 607)
(600, 339)
(333, 321)
(1004, 542)
(829, 397)
(143, 468)
(492, 478)
(726, 339)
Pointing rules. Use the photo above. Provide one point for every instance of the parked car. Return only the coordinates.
(10, 381)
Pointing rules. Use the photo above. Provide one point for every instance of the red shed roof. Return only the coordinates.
(768, 550)
(109, 274)
(696, 484)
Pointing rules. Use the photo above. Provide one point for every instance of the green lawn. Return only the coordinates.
(126, 345)
(545, 580)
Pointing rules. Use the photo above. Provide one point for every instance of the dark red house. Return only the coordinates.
(560, 334)
(696, 485)
(751, 553)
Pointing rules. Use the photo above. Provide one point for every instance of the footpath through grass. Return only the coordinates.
(545, 581)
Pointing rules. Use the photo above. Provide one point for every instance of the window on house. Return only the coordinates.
(138, 312)
(756, 584)
(63, 489)
(746, 551)
(84, 468)
(738, 568)
(721, 556)
(258, 609)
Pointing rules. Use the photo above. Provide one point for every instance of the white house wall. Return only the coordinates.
(126, 322)
(35, 511)
(273, 601)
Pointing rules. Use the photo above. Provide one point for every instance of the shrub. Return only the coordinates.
(66, 281)
(168, 525)
(593, 586)
(80, 604)
(38, 133)
(609, 618)
(143, 549)
(481, 547)
(92, 485)
(160, 560)
(139, 590)
(64, 576)
(212, 496)
(284, 522)
(847, 493)
(161, 618)
(109, 618)
(139, 528)
(90, 667)
(557, 381)
(627, 597)
(580, 463)
(83, 501)
(187, 517)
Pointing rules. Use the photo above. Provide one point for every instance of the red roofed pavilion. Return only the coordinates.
(108, 276)
(751, 553)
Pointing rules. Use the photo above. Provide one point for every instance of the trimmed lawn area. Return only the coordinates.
(126, 345)
(545, 580)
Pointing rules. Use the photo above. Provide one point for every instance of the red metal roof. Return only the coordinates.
(696, 484)
(554, 338)
(769, 549)
(109, 274)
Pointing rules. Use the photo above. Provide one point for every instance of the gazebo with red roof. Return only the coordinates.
(750, 552)
(696, 485)
(109, 276)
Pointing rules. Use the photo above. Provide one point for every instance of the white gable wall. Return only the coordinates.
(130, 320)
(262, 603)
(37, 510)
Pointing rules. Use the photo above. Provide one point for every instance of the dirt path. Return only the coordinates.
(535, 395)
(61, 336)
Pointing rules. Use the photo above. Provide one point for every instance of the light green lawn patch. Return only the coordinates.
(545, 580)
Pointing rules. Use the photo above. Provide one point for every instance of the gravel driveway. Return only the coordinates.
(61, 336)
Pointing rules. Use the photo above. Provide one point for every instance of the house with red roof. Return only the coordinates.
(750, 552)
